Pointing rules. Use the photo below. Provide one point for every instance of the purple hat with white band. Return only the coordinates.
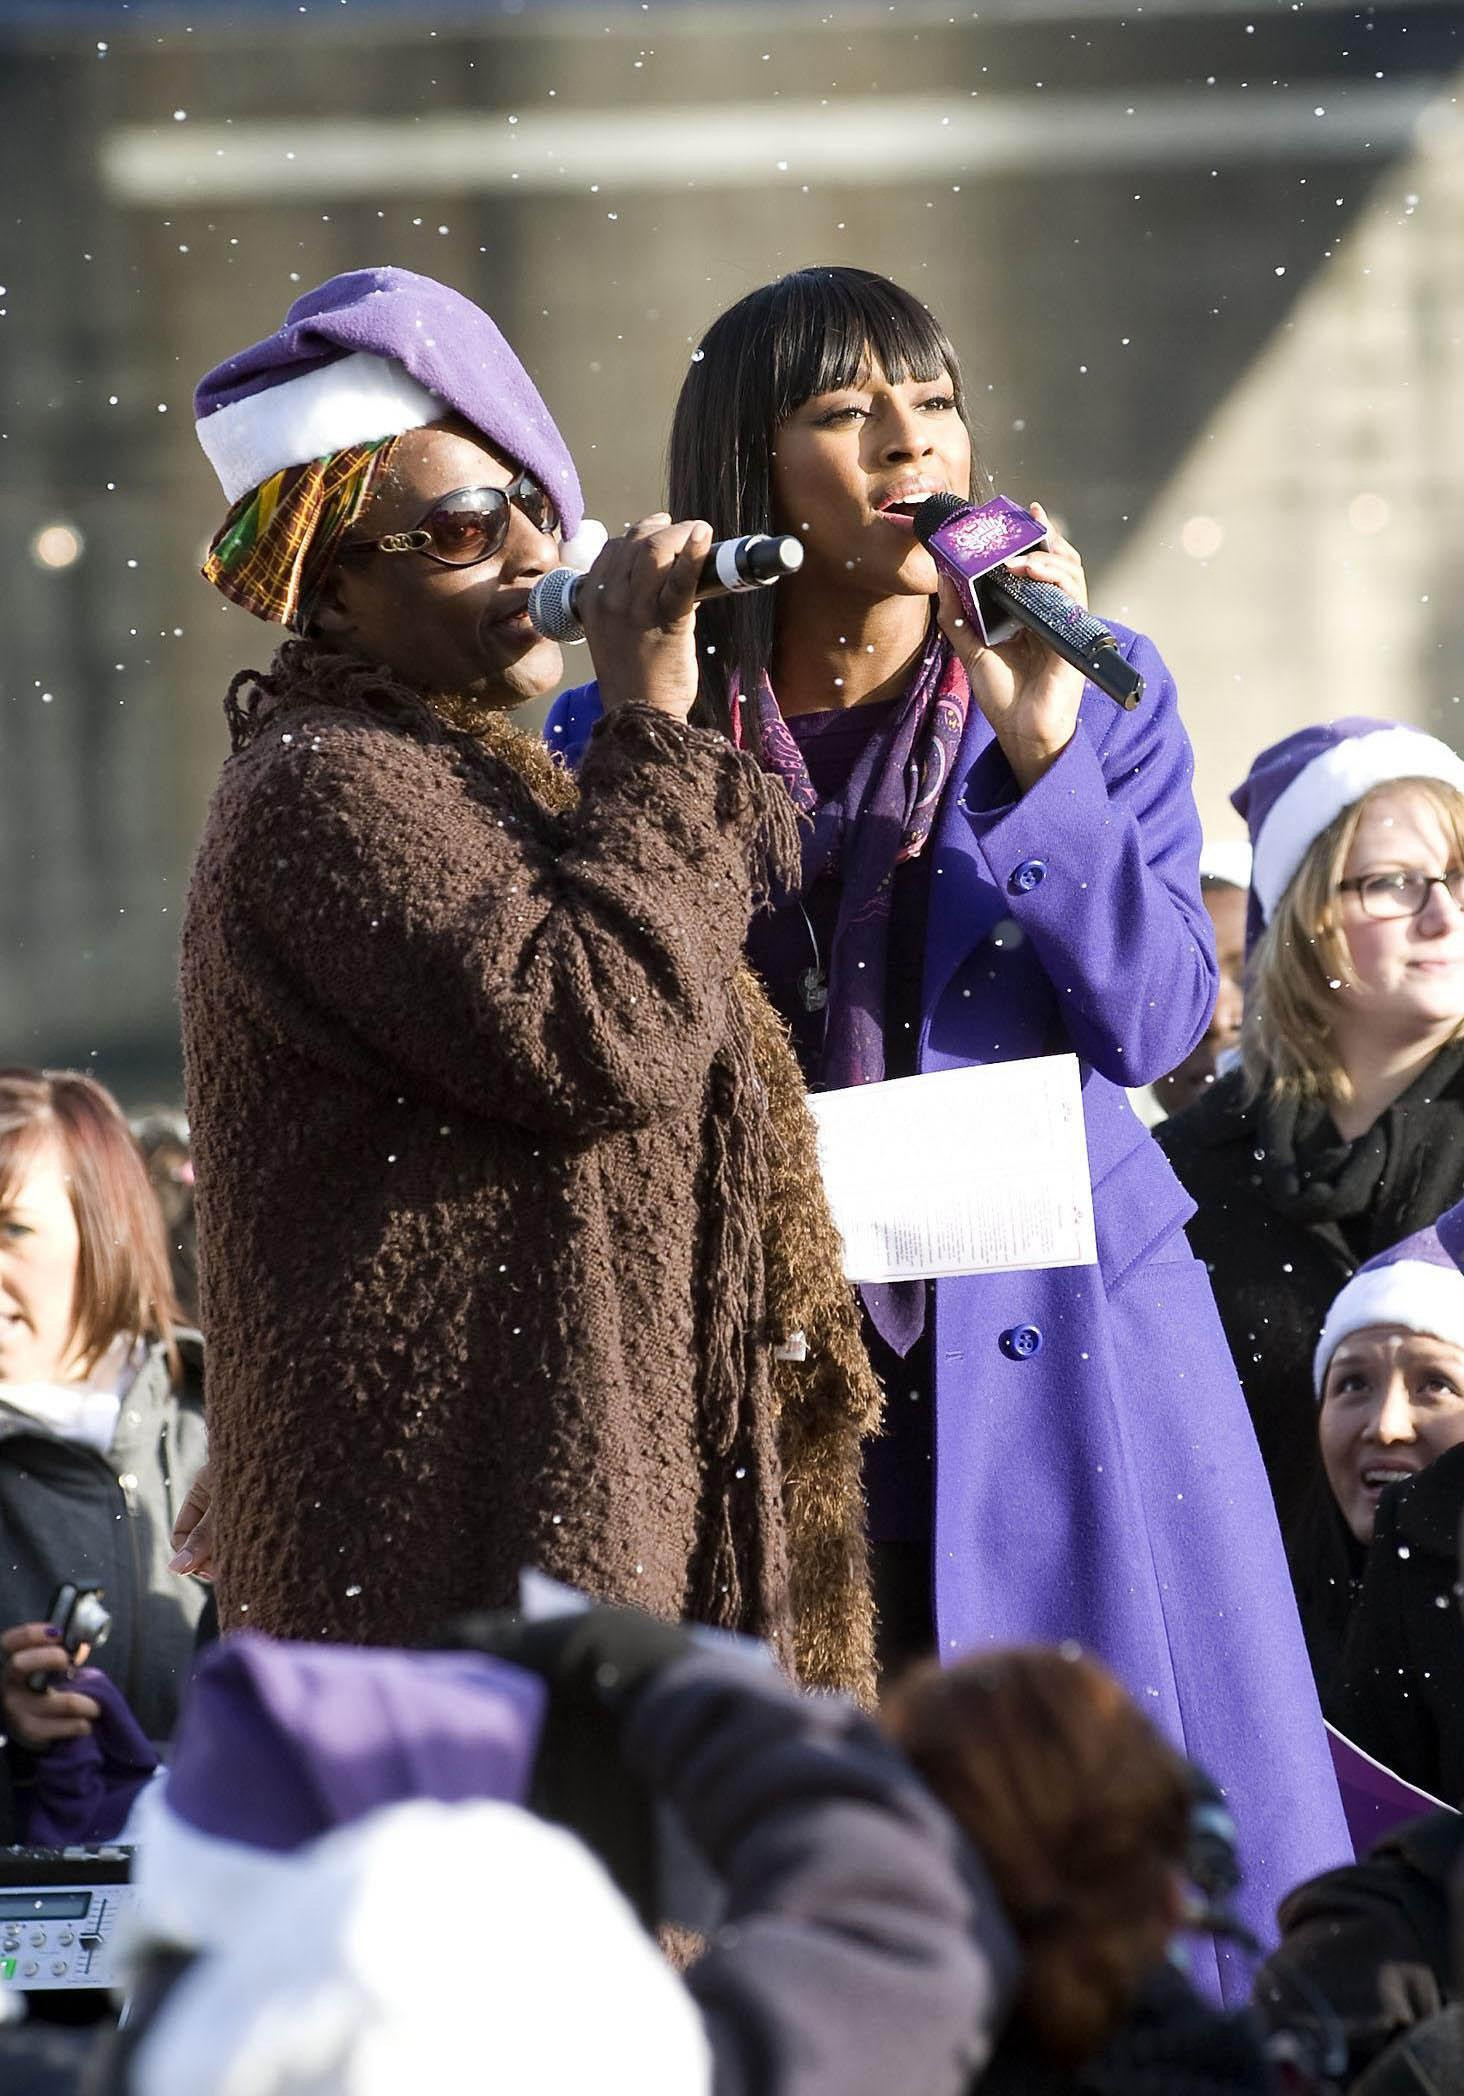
(1297, 787)
(369, 355)
(1417, 1284)
(279, 1743)
(339, 1841)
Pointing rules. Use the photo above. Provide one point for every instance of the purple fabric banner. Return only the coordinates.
(1373, 1798)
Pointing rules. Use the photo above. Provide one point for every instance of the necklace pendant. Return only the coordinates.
(813, 989)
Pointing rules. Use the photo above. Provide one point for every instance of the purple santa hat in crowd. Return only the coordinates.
(1301, 784)
(339, 1840)
(1417, 1284)
(369, 355)
(279, 1743)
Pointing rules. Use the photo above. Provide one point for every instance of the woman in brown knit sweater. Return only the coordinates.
(498, 1150)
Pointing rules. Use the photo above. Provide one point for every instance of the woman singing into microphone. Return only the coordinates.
(998, 863)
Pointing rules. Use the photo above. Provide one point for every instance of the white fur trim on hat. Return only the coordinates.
(582, 551)
(356, 400)
(1333, 781)
(432, 1947)
(1412, 1293)
(189, 1888)
(1226, 859)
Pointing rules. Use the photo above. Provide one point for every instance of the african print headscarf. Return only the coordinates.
(279, 541)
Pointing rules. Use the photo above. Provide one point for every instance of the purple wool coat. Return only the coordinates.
(1097, 1478)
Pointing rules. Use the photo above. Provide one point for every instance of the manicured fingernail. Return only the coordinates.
(52, 1631)
(181, 1561)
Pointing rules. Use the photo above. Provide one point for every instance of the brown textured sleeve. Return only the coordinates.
(570, 971)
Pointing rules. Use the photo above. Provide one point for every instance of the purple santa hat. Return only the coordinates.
(339, 1842)
(280, 1743)
(369, 355)
(1301, 784)
(1417, 1284)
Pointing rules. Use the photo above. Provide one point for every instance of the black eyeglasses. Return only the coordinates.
(468, 525)
(1403, 894)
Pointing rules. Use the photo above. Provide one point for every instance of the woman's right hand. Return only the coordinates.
(193, 1534)
(40, 1719)
(638, 608)
(1029, 694)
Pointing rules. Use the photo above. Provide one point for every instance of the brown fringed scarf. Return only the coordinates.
(769, 1246)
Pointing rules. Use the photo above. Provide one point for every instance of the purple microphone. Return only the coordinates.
(971, 541)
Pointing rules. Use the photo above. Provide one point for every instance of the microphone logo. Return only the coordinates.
(984, 534)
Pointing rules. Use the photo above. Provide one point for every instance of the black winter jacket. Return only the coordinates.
(1365, 1952)
(1275, 1275)
(71, 1513)
(1400, 1688)
(1171, 2044)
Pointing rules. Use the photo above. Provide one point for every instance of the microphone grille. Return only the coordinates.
(550, 608)
(936, 510)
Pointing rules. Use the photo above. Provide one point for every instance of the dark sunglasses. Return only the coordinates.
(468, 525)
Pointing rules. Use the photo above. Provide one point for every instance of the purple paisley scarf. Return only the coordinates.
(882, 818)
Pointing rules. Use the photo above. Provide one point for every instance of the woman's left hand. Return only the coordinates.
(1029, 695)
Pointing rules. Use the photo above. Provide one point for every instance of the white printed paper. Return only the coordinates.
(968, 1171)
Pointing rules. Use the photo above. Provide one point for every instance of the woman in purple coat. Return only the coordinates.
(999, 863)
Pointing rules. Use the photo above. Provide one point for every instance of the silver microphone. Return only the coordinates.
(731, 565)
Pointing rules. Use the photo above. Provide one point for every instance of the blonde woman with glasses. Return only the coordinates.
(1344, 1129)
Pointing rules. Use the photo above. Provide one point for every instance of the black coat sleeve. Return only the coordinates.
(1367, 1948)
(1380, 1699)
(17, 1774)
(862, 1949)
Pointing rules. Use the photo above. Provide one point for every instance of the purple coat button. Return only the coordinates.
(1021, 1342)
(1029, 875)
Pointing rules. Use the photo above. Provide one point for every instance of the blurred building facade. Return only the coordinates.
(1203, 263)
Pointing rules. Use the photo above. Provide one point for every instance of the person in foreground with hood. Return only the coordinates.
(511, 1240)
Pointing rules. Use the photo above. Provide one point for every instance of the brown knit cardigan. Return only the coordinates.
(506, 1186)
